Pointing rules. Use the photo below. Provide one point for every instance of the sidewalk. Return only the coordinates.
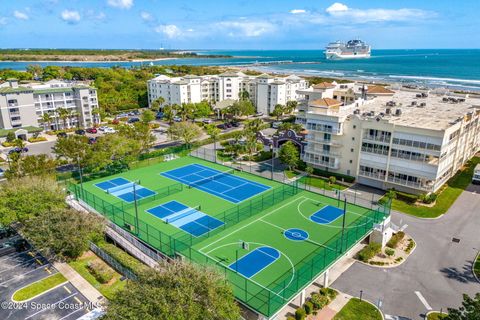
(82, 285)
(333, 308)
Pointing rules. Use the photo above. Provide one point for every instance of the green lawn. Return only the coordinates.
(454, 187)
(315, 181)
(358, 310)
(108, 289)
(476, 267)
(436, 316)
(39, 287)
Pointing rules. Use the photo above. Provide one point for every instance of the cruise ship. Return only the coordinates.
(353, 49)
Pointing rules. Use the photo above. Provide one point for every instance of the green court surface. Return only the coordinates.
(256, 223)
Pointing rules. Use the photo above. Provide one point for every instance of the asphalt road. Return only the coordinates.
(437, 273)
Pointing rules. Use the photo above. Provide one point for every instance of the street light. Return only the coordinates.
(272, 164)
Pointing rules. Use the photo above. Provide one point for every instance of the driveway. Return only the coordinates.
(437, 273)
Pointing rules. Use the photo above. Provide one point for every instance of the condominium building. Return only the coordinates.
(25, 105)
(264, 90)
(410, 140)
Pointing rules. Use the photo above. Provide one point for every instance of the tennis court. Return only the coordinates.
(125, 190)
(190, 220)
(269, 239)
(223, 184)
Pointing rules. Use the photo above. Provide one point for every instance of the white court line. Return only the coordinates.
(423, 300)
(252, 222)
(54, 304)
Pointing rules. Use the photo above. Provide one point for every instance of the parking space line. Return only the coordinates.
(68, 315)
(17, 276)
(78, 300)
(68, 290)
(18, 264)
(423, 300)
(9, 257)
(53, 304)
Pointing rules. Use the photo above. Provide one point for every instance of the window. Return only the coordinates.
(353, 138)
(15, 118)
(351, 161)
(351, 150)
(354, 127)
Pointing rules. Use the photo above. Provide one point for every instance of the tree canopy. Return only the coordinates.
(289, 154)
(470, 309)
(177, 291)
(185, 131)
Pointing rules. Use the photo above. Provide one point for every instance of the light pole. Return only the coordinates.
(272, 164)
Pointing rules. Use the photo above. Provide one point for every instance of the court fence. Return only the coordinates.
(112, 261)
(265, 300)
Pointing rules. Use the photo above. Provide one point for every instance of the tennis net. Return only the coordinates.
(120, 187)
(182, 214)
(212, 178)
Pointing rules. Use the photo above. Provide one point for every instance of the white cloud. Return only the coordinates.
(337, 7)
(122, 4)
(70, 16)
(297, 11)
(353, 15)
(170, 30)
(146, 16)
(246, 28)
(20, 15)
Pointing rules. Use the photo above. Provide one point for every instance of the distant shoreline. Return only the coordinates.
(90, 61)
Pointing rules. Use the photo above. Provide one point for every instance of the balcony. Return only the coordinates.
(15, 113)
(411, 184)
(311, 139)
(377, 176)
(383, 139)
(380, 152)
(331, 164)
(13, 104)
(323, 129)
(323, 152)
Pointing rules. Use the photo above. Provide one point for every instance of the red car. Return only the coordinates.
(92, 130)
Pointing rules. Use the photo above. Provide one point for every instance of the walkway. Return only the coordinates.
(82, 285)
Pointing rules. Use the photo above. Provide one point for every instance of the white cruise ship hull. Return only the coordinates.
(338, 56)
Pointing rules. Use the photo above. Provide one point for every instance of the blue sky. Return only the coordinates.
(237, 24)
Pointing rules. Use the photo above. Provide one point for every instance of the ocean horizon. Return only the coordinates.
(453, 68)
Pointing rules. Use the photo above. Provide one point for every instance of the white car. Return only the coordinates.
(177, 119)
(207, 121)
(2, 173)
(102, 128)
(109, 130)
(276, 124)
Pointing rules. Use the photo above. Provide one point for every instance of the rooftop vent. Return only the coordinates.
(356, 111)
(388, 111)
(398, 112)
(414, 103)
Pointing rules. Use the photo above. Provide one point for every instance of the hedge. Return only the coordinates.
(395, 239)
(369, 251)
(122, 257)
(327, 174)
(308, 306)
(300, 314)
(101, 272)
(319, 301)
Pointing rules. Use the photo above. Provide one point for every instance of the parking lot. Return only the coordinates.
(20, 269)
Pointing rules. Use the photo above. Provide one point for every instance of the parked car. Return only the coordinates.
(109, 130)
(207, 121)
(2, 173)
(18, 150)
(102, 128)
(222, 126)
(62, 134)
(80, 132)
(92, 130)
(259, 114)
(92, 140)
(177, 119)
(136, 112)
(159, 115)
(133, 120)
(235, 124)
(228, 125)
(276, 124)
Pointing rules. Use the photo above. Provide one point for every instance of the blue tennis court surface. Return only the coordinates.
(255, 261)
(221, 184)
(188, 219)
(326, 215)
(123, 189)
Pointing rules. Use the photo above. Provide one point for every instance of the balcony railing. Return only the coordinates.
(323, 152)
(383, 139)
(311, 139)
(377, 176)
(13, 104)
(329, 164)
(412, 184)
(323, 129)
(375, 151)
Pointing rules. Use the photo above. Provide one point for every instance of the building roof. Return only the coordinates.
(324, 85)
(15, 90)
(265, 76)
(231, 74)
(379, 90)
(325, 102)
(53, 90)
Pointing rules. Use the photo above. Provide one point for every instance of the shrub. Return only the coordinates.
(308, 307)
(11, 136)
(37, 139)
(290, 318)
(100, 271)
(377, 263)
(389, 252)
(319, 301)
(369, 251)
(406, 197)
(395, 239)
(410, 246)
(122, 257)
(7, 144)
(332, 180)
(398, 259)
(430, 198)
(300, 314)
(329, 292)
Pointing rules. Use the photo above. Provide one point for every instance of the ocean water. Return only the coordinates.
(436, 67)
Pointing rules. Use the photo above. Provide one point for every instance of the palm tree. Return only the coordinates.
(291, 106)
(185, 110)
(213, 132)
(158, 103)
(251, 129)
(46, 120)
(169, 112)
(63, 114)
(74, 115)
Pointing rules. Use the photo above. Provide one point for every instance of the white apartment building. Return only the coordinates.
(264, 90)
(23, 106)
(410, 140)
